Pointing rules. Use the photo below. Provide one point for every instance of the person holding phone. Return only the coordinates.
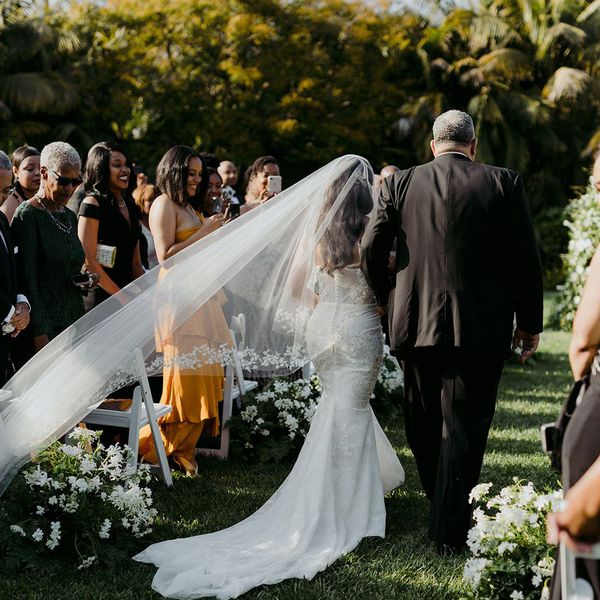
(263, 180)
(193, 393)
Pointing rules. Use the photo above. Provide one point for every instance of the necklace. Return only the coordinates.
(64, 228)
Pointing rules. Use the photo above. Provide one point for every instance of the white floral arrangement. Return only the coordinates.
(510, 556)
(275, 421)
(582, 219)
(80, 494)
(391, 377)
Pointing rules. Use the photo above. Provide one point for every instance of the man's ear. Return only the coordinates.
(432, 146)
(44, 172)
(473, 148)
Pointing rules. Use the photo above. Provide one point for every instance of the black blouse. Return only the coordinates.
(114, 230)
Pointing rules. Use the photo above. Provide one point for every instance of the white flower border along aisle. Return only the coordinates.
(274, 422)
(511, 559)
(72, 501)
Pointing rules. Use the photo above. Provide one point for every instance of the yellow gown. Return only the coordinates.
(193, 394)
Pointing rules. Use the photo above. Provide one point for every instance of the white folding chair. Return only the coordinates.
(235, 388)
(143, 411)
(573, 588)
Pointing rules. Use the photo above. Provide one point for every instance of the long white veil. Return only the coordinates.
(260, 265)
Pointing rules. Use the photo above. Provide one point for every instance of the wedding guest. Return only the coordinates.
(108, 225)
(144, 196)
(257, 179)
(50, 253)
(213, 201)
(26, 170)
(193, 393)
(229, 174)
(388, 170)
(581, 444)
(14, 307)
(5, 177)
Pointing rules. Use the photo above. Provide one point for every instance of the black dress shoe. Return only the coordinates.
(449, 549)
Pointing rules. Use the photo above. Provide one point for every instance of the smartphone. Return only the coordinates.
(274, 184)
(234, 210)
(217, 204)
(82, 280)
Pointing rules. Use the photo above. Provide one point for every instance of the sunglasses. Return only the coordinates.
(65, 181)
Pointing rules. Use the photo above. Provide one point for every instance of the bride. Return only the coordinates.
(291, 267)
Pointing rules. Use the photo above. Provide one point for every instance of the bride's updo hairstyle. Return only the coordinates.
(172, 176)
(339, 241)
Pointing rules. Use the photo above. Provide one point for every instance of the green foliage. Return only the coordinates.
(582, 219)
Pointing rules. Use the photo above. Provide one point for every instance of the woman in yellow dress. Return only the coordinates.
(194, 394)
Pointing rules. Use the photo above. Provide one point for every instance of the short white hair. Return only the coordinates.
(5, 162)
(454, 127)
(58, 155)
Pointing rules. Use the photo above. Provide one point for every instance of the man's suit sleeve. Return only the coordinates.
(377, 243)
(525, 267)
(6, 300)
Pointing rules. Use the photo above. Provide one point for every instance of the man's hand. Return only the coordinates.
(39, 341)
(20, 318)
(527, 342)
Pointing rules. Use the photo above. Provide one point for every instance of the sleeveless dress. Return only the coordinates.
(334, 495)
(193, 394)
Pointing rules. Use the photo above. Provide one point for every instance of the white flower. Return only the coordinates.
(18, 529)
(81, 435)
(37, 535)
(506, 546)
(40, 510)
(479, 491)
(545, 594)
(104, 532)
(516, 595)
(473, 570)
(536, 580)
(86, 562)
(54, 537)
(87, 465)
(71, 450)
(265, 432)
(52, 500)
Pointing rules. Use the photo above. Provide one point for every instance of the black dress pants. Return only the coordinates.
(449, 403)
(581, 448)
(4, 348)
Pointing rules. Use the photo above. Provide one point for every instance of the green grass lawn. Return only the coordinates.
(402, 566)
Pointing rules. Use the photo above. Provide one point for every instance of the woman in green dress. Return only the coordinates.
(50, 256)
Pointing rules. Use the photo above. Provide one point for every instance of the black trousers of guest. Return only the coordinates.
(449, 403)
(581, 448)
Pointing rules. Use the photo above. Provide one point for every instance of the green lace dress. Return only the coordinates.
(49, 254)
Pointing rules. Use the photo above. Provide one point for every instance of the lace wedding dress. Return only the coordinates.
(334, 495)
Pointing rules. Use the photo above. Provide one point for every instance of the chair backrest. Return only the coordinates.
(238, 326)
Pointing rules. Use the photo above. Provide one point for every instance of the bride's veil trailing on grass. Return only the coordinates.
(260, 264)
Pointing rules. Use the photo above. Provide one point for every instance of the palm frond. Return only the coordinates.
(37, 92)
(506, 62)
(573, 36)
(592, 10)
(566, 85)
(491, 30)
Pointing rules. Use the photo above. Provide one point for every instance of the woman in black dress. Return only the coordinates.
(109, 227)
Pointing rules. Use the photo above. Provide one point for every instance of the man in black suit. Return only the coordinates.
(14, 308)
(466, 265)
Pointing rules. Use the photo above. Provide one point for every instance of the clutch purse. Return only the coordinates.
(106, 255)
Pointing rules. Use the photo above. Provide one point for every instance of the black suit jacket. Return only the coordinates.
(466, 256)
(8, 276)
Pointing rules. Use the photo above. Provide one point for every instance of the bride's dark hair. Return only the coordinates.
(338, 244)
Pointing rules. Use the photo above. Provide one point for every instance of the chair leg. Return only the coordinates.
(133, 440)
(147, 396)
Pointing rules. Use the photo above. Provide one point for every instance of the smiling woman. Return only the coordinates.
(108, 226)
(26, 170)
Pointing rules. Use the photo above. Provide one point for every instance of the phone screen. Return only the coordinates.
(274, 184)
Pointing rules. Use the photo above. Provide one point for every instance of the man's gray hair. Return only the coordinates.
(5, 162)
(58, 155)
(453, 127)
